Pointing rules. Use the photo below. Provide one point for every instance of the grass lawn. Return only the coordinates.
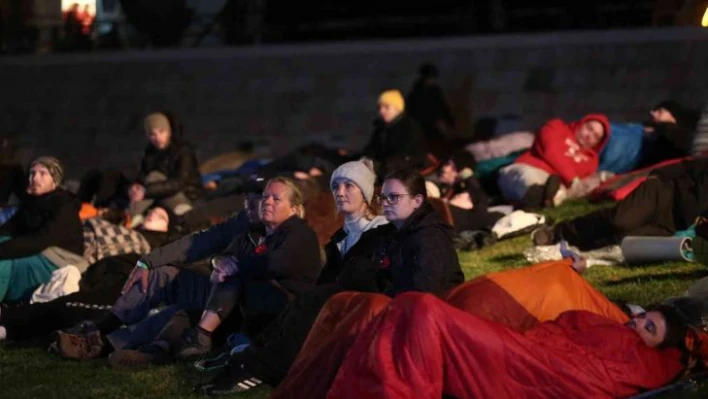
(34, 374)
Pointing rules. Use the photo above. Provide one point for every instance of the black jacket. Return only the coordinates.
(420, 256)
(179, 163)
(41, 222)
(426, 103)
(356, 270)
(290, 255)
(396, 145)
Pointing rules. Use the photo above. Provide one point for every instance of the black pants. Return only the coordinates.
(272, 353)
(100, 287)
(647, 211)
(472, 220)
(30, 322)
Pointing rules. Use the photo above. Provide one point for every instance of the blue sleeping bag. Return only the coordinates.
(624, 148)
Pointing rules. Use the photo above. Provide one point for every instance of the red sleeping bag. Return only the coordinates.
(620, 186)
(421, 347)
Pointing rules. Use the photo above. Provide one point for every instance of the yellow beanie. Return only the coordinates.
(393, 98)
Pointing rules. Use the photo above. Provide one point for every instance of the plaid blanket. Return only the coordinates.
(102, 239)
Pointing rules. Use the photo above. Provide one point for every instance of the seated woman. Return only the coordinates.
(562, 154)
(349, 266)
(418, 256)
(99, 287)
(169, 173)
(255, 265)
(669, 200)
(422, 347)
(462, 191)
(44, 234)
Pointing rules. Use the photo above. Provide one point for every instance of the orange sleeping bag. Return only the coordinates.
(518, 298)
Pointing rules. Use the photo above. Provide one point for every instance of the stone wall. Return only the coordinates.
(88, 108)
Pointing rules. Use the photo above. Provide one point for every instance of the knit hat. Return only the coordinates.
(53, 166)
(393, 98)
(157, 120)
(360, 173)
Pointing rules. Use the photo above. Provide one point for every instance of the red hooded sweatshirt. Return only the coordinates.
(557, 151)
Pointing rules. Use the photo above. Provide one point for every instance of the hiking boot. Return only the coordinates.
(195, 343)
(83, 342)
(543, 235)
(138, 359)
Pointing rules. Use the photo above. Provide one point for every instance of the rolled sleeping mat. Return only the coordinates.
(638, 250)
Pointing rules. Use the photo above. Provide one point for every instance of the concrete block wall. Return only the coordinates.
(88, 108)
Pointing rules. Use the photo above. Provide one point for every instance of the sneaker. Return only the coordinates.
(543, 236)
(83, 342)
(138, 359)
(236, 380)
(194, 344)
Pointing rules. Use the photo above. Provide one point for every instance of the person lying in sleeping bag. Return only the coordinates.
(520, 299)
(421, 347)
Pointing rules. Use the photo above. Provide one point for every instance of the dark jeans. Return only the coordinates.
(259, 301)
(647, 211)
(271, 354)
(177, 288)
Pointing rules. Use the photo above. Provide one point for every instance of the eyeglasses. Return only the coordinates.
(391, 199)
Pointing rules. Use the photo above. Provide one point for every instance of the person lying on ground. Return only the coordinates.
(418, 256)
(668, 134)
(258, 270)
(562, 155)
(44, 234)
(670, 200)
(518, 300)
(469, 204)
(451, 352)
(99, 287)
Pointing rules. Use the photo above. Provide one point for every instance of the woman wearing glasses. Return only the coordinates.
(417, 254)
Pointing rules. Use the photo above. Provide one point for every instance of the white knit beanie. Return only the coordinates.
(360, 173)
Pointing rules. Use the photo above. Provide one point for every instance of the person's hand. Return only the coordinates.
(136, 192)
(223, 267)
(139, 275)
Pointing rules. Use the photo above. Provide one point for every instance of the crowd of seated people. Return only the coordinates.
(330, 266)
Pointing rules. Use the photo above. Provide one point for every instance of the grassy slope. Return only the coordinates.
(34, 374)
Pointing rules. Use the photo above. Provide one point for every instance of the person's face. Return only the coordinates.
(275, 205)
(159, 138)
(398, 203)
(590, 134)
(40, 181)
(388, 112)
(157, 219)
(252, 205)
(348, 197)
(448, 173)
(651, 326)
(662, 115)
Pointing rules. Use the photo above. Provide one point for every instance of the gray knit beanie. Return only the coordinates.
(360, 173)
(53, 166)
